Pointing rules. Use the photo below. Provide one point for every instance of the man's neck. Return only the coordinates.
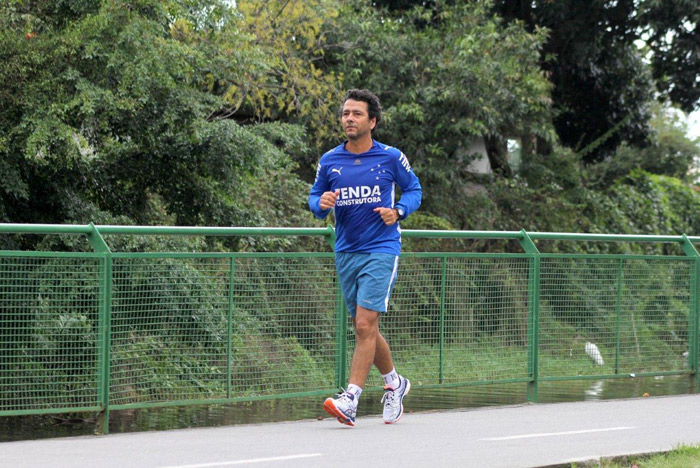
(359, 146)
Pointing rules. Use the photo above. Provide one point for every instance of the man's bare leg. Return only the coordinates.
(366, 341)
(382, 355)
(371, 347)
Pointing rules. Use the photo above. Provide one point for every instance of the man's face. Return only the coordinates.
(355, 119)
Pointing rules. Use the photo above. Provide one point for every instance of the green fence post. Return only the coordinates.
(103, 324)
(341, 343)
(442, 318)
(229, 333)
(533, 318)
(693, 317)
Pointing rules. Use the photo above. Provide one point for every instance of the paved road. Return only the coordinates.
(513, 436)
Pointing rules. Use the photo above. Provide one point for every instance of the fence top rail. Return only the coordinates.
(608, 237)
(213, 231)
(160, 230)
(6, 228)
(87, 229)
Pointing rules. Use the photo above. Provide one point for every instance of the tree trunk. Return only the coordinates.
(497, 151)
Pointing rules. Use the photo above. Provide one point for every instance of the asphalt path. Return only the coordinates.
(511, 436)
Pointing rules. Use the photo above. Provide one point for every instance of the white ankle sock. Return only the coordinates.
(391, 379)
(355, 391)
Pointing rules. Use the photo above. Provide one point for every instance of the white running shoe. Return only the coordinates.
(393, 400)
(344, 408)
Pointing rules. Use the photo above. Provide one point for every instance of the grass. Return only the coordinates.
(685, 456)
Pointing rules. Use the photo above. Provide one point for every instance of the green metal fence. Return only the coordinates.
(107, 330)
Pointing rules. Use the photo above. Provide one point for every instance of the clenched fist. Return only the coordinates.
(389, 215)
(328, 199)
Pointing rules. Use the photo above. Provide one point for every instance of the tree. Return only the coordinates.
(671, 29)
(600, 80)
(293, 36)
(670, 152)
(114, 110)
(602, 85)
(456, 76)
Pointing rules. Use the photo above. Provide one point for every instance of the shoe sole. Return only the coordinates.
(408, 389)
(333, 411)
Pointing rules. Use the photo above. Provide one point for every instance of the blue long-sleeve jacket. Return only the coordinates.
(366, 181)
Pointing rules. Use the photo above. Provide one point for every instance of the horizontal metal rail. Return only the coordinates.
(18, 228)
(524, 237)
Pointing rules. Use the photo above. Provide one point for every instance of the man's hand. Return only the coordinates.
(389, 215)
(328, 199)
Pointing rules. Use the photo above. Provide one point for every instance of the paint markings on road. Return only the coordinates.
(554, 434)
(249, 461)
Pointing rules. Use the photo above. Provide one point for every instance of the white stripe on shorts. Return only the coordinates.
(391, 280)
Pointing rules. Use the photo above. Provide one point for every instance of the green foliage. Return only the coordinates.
(113, 111)
(556, 193)
(669, 152)
(644, 203)
(465, 76)
(118, 113)
(292, 36)
(277, 198)
(602, 84)
(540, 198)
(425, 221)
(673, 27)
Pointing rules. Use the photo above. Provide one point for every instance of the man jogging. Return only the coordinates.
(357, 179)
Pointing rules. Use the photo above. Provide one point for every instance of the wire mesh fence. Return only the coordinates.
(655, 322)
(579, 309)
(126, 330)
(169, 329)
(199, 328)
(458, 319)
(285, 325)
(486, 321)
(617, 315)
(49, 337)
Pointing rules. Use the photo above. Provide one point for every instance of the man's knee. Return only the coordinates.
(364, 329)
(366, 323)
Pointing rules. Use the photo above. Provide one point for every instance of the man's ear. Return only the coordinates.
(373, 123)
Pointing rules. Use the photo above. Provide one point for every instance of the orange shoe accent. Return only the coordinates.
(333, 411)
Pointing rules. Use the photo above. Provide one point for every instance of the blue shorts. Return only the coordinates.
(367, 279)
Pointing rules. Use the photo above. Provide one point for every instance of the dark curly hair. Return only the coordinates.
(374, 107)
